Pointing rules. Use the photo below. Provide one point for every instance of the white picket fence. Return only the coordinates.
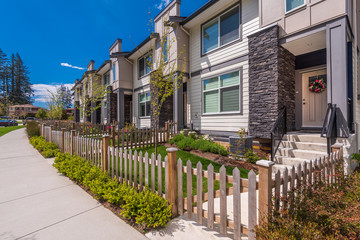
(208, 201)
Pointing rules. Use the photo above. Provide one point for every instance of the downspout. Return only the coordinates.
(188, 94)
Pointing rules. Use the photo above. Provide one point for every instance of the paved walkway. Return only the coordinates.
(38, 203)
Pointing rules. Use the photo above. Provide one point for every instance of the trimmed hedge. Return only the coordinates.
(145, 208)
(32, 129)
(48, 149)
(197, 143)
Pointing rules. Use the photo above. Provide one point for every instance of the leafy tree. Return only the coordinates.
(55, 104)
(41, 113)
(167, 76)
(91, 96)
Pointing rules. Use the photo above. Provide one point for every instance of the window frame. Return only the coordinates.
(167, 51)
(218, 17)
(139, 102)
(106, 75)
(240, 112)
(294, 9)
(145, 63)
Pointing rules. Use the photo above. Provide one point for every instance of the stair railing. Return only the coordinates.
(335, 125)
(277, 132)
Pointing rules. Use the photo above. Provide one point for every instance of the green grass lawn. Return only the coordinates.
(5, 130)
(185, 156)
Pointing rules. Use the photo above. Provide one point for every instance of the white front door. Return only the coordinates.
(314, 98)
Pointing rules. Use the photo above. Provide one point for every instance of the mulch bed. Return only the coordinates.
(223, 160)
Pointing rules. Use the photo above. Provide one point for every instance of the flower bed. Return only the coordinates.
(47, 149)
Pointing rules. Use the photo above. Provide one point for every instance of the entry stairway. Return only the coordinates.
(299, 147)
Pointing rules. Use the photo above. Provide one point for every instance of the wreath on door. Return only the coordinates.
(317, 84)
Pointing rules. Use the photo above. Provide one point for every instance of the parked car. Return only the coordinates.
(5, 123)
(29, 119)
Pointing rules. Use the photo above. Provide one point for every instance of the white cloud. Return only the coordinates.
(162, 4)
(71, 66)
(41, 91)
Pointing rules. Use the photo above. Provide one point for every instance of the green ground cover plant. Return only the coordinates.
(197, 142)
(47, 149)
(321, 212)
(5, 130)
(145, 208)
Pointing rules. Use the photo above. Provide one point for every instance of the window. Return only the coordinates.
(222, 94)
(145, 65)
(107, 79)
(144, 104)
(114, 72)
(165, 50)
(293, 4)
(221, 30)
(105, 109)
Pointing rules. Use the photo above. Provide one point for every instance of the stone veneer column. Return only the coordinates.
(271, 82)
(111, 105)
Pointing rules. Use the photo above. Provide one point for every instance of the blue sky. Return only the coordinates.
(47, 33)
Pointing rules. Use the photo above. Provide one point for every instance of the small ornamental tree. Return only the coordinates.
(55, 104)
(41, 114)
(97, 92)
(167, 76)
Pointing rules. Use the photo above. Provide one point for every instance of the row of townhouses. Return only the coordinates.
(245, 61)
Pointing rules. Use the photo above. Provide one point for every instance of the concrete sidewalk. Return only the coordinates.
(38, 203)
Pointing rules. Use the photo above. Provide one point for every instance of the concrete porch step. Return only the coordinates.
(308, 138)
(321, 147)
(289, 161)
(299, 153)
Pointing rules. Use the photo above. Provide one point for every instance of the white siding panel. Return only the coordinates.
(139, 122)
(250, 23)
(222, 122)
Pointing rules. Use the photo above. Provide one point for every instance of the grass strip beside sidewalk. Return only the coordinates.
(5, 130)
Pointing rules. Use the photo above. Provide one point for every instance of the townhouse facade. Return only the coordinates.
(245, 61)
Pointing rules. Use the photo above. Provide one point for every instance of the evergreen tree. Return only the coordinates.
(66, 96)
(21, 91)
(4, 86)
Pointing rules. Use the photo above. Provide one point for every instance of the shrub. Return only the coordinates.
(145, 208)
(48, 149)
(251, 156)
(322, 212)
(194, 142)
(185, 143)
(32, 129)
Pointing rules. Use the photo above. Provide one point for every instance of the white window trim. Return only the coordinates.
(139, 102)
(219, 33)
(219, 95)
(294, 9)
(138, 67)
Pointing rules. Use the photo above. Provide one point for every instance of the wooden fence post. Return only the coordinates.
(172, 177)
(265, 189)
(42, 129)
(72, 148)
(50, 134)
(337, 147)
(105, 146)
(72, 126)
(63, 140)
(113, 135)
(167, 131)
